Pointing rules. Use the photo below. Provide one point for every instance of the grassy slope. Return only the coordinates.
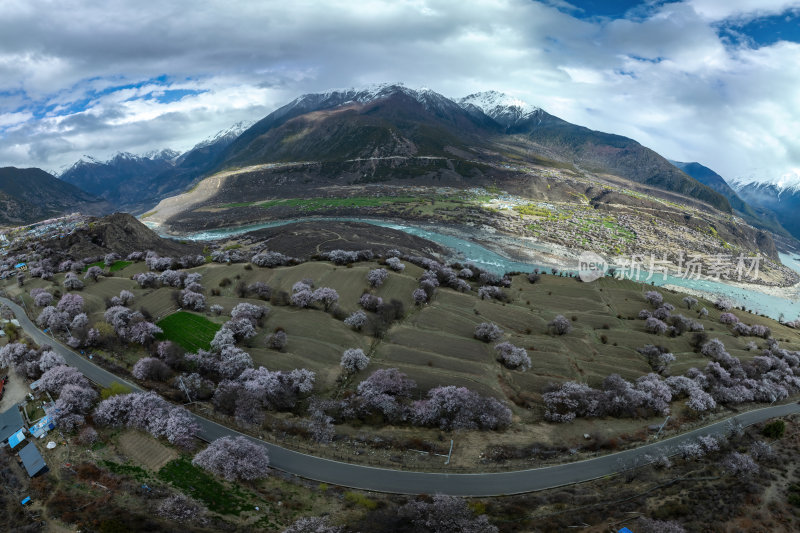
(434, 344)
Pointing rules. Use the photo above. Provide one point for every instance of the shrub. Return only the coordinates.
(775, 429)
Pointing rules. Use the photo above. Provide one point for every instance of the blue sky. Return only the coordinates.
(707, 80)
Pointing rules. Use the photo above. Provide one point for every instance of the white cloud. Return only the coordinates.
(717, 10)
(663, 77)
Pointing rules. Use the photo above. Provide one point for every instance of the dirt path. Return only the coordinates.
(15, 390)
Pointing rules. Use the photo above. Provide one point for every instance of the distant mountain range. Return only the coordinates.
(31, 194)
(393, 120)
(782, 200)
(755, 213)
(133, 183)
(342, 129)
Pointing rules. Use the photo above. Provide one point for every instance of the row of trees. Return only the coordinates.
(387, 393)
(148, 412)
(725, 380)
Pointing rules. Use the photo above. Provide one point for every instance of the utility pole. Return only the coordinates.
(662, 426)
(450, 453)
(184, 388)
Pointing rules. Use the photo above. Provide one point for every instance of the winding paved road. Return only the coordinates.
(404, 482)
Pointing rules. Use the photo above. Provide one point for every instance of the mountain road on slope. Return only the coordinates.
(407, 482)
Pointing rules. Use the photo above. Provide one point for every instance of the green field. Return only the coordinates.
(117, 265)
(204, 487)
(314, 204)
(191, 331)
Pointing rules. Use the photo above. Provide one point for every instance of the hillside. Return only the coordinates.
(589, 365)
(487, 161)
(395, 121)
(31, 194)
(93, 237)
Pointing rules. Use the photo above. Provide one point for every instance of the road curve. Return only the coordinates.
(405, 482)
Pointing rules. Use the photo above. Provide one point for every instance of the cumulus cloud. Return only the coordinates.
(100, 77)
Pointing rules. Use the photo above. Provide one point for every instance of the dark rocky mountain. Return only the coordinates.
(121, 233)
(122, 179)
(383, 121)
(395, 121)
(136, 183)
(757, 216)
(31, 194)
(783, 201)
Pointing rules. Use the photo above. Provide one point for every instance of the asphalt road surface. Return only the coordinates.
(405, 482)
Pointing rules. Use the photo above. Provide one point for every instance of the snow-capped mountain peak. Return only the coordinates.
(363, 95)
(228, 134)
(504, 108)
(165, 154)
(787, 182)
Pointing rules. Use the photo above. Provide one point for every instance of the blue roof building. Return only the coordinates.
(10, 423)
(16, 438)
(41, 427)
(32, 459)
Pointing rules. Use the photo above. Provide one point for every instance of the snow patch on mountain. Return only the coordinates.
(788, 182)
(228, 134)
(502, 107)
(432, 100)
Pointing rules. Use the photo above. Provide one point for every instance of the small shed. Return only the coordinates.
(22, 267)
(10, 423)
(32, 459)
(41, 427)
(16, 438)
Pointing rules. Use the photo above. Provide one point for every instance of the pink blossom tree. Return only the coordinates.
(354, 360)
(93, 272)
(460, 408)
(193, 300)
(58, 377)
(313, 524)
(150, 368)
(356, 320)
(370, 302)
(445, 514)
(560, 325)
(326, 296)
(513, 357)
(395, 264)
(180, 508)
(377, 276)
(654, 297)
(277, 340)
(41, 298)
(72, 283)
(656, 326)
(740, 465)
(50, 359)
(72, 304)
(420, 296)
(487, 332)
(234, 458)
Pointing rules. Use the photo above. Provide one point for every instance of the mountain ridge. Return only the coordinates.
(31, 194)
